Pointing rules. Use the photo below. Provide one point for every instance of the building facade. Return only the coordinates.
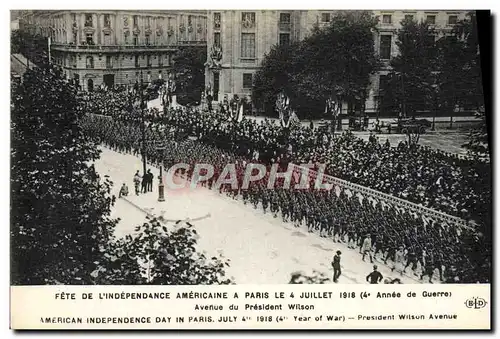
(237, 42)
(110, 47)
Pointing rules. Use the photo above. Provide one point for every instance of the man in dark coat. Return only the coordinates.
(336, 266)
(149, 182)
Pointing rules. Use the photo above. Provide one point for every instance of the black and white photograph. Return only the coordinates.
(236, 147)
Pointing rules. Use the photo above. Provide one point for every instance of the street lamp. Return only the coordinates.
(161, 186)
(403, 103)
(435, 102)
(143, 128)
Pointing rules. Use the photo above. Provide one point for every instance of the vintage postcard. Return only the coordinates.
(250, 169)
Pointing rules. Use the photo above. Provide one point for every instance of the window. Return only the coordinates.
(90, 62)
(248, 45)
(160, 61)
(88, 20)
(248, 19)
(285, 39)
(247, 80)
(136, 21)
(409, 17)
(149, 76)
(217, 20)
(431, 19)
(147, 40)
(159, 74)
(190, 20)
(325, 17)
(137, 61)
(148, 60)
(125, 38)
(136, 40)
(386, 19)
(452, 20)
(385, 46)
(107, 39)
(284, 18)
(109, 61)
(89, 39)
(107, 21)
(217, 39)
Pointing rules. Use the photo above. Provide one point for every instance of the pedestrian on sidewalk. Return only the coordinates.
(336, 266)
(367, 247)
(137, 182)
(123, 191)
(149, 182)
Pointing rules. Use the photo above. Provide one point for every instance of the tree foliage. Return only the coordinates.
(59, 208)
(434, 71)
(413, 69)
(158, 255)
(274, 76)
(189, 68)
(334, 61)
(33, 46)
(61, 229)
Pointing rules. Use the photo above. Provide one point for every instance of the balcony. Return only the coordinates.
(119, 48)
(284, 26)
(192, 43)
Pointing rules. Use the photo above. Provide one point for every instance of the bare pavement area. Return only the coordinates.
(262, 249)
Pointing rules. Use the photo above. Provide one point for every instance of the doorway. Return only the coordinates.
(109, 80)
(90, 85)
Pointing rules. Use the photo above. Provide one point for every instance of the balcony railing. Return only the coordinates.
(126, 47)
(284, 26)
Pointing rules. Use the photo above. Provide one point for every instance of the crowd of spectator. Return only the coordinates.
(424, 246)
(420, 174)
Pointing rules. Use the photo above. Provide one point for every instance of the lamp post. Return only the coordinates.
(143, 128)
(161, 186)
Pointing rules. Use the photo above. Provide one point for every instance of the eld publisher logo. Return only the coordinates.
(475, 303)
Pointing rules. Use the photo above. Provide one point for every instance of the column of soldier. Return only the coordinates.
(398, 238)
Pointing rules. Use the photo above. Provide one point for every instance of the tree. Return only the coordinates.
(60, 208)
(157, 255)
(338, 60)
(333, 62)
(459, 68)
(273, 77)
(33, 46)
(189, 69)
(409, 82)
(466, 33)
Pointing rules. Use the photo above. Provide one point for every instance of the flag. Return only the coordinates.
(240, 115)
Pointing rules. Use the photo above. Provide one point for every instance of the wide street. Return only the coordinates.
(262, 249)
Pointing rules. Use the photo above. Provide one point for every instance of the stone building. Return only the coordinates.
(114, 46)
(238, 40)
